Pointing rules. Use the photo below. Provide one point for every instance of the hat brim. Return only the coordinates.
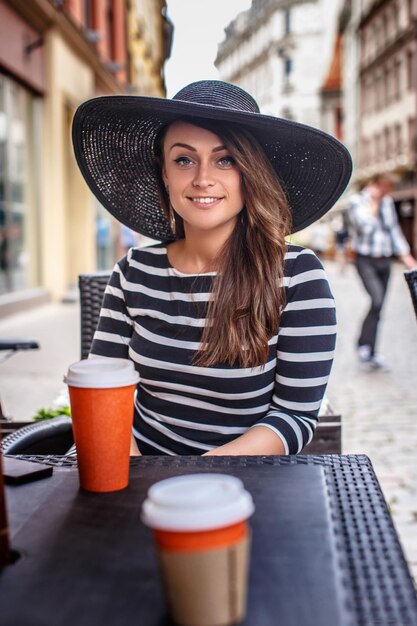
(114, 143)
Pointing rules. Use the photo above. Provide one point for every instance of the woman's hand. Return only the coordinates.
(134, 450)
(259, 440)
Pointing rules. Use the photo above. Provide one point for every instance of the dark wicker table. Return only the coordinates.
(375, 583)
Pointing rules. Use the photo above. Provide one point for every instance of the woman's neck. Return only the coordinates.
(197, 253)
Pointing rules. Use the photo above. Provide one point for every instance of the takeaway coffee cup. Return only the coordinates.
(202, 540)
(101, 396)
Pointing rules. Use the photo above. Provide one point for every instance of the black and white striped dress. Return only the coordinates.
(154, 315)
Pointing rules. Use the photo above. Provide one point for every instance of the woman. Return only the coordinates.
(231, 329)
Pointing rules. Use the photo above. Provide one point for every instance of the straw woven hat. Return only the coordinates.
(114, 144)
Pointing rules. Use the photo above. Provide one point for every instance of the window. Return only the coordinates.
(397, 79)
(390, 22)
(88, 14)
(387, 144)
(410, 73)
(377, 153)
(377, 35)
(398, 140)
(412, 144)
(373, 98)
(287, 21)
(19, 254)
(396, 17)
(379, 91)
(109, 37)
(387, 80)
(385, 28)
(364, 45)
(364, 91)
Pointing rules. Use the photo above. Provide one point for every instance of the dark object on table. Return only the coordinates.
(52, 436)
(411, 278)
(19, 471)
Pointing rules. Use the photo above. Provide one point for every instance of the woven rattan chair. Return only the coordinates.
(411, 278)
(52, 436)
(91, 287)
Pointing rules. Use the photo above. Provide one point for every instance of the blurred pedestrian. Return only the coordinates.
(376, 238)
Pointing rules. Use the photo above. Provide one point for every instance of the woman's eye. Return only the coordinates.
(183, 161)
(227, 161)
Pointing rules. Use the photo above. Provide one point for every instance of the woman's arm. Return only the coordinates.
(305, 351)
(256, 441)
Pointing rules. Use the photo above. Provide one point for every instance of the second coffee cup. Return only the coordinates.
(202, 539)
(101, 394)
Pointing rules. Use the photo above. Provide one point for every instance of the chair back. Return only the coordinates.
(53, 436)
(411, 278)
(91, 287)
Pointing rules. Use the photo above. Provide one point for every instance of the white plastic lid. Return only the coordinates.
(197, 502)
(101, 373)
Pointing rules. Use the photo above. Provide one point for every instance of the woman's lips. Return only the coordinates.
(205, 201)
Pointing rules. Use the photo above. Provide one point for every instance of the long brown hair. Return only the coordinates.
(248, 295)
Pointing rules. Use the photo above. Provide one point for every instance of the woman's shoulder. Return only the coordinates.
(154, 255)
(299, 259)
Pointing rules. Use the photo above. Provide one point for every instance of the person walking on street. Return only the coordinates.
(376, 238)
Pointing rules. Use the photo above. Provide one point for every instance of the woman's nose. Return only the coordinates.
(203, 176)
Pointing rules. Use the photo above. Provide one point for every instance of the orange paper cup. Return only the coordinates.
(201, 540)
(102, 416)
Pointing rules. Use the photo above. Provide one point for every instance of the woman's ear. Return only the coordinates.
(164, 177)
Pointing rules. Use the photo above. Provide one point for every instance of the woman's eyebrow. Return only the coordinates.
(187, 147)
(183, 145)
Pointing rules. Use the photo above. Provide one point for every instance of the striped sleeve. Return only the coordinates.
(305, 350)
(115, 326)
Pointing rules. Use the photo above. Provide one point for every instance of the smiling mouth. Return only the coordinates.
(205, 200)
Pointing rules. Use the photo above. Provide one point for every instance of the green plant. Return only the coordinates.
(47, 414)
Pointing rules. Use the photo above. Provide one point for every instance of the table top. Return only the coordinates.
(321, 532)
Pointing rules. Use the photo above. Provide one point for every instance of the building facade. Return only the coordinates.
(331, 94)
(150, 35)
(349, 21)
(278, 50)
(388, 103)
(385, 124)
(53, 55)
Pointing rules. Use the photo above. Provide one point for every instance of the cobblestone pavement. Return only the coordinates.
(378, 408)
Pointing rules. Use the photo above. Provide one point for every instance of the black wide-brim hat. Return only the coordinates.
(114, 144)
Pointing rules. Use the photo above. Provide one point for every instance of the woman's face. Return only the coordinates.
(202, 178)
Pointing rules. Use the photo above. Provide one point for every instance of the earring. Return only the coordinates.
(172, 221)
